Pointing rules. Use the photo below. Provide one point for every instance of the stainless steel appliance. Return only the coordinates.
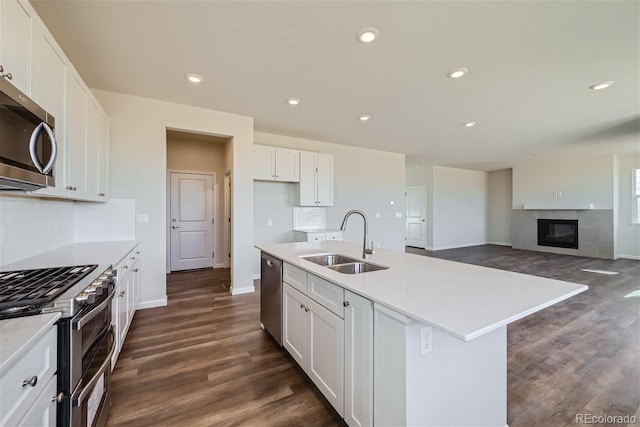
(82, 294)
(27, 142)
(271, 295)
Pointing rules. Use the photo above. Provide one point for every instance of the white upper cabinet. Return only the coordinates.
(77, 100)
(48, 83)
(41, 70)
(17, 19)
(276, 164)
(316, 179)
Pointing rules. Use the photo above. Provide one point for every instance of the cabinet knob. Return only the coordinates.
(31, 381)
(301, 305)
(306, 309)
(58, 398)
(136, 270)
(346, 303)
(121, 294)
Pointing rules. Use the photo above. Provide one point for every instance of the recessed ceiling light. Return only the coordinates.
(367, 35)
(364, 118)
(601, 86)
(194, 78)
(469, 124)
(457, 73)
(293, 101)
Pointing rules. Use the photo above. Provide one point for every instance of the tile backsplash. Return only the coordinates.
(30, 226)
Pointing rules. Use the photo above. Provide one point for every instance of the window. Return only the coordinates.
(636, 196)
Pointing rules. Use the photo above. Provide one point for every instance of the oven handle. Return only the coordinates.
(78, 324)
(86, 389)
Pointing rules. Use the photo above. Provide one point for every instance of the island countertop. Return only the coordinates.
(463, 300)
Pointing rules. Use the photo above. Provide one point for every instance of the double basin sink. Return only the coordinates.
(344, 264)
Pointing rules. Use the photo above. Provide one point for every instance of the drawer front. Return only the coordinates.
(43, 411)
(295, 277)
(333, 236)
(327, 294)
(40, 361)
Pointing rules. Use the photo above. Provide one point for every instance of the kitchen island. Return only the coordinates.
(438, 332)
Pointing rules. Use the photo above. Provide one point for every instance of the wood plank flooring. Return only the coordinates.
(204, 361)
(580, 356)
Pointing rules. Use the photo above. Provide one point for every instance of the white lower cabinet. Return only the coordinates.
(314, 337)
(126, 299)
(28, 387)
(329, 332)
(358, 360)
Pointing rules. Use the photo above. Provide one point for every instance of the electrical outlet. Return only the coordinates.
(426, 343)
(269, 223)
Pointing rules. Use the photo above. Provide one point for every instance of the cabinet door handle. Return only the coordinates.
(346, 303)
(31, 381)
(58, 398)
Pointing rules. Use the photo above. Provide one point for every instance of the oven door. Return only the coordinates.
(91, 400)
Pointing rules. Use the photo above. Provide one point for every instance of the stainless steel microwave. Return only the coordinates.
(27, 142)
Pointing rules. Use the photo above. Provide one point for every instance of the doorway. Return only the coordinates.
(416, 225)
(195, 199)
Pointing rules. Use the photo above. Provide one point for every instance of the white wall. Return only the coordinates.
(583, 182)
(138, 167)
(627, 234)
(364, 179)
(499, 207)
(459, 207)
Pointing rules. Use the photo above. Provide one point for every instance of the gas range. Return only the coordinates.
(56, 289)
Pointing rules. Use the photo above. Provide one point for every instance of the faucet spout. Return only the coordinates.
(366, 252)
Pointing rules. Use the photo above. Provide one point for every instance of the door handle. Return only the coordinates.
(33, 150)
(174, 227)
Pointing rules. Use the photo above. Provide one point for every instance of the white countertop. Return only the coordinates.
(78, 254)
(463, 300)
(17, 334)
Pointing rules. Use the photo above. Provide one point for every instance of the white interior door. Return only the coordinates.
(191, 222)
(416, 233)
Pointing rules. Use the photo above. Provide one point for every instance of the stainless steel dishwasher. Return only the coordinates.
(271, 295)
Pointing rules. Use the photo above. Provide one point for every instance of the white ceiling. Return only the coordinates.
(530, 65)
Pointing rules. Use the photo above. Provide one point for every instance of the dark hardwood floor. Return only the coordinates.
(204, 361)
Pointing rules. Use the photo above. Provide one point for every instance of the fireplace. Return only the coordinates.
(559, 233)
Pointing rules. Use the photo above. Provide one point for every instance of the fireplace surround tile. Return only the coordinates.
(595, 231)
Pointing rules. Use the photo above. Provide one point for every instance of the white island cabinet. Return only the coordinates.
(424, 340)
(314, 334)
(28, 362)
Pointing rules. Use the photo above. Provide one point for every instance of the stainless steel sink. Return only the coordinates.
(343, 264)
(356, 267)
(329, 259)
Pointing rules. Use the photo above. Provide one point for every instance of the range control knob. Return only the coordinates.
(96, 288)
(83, 298)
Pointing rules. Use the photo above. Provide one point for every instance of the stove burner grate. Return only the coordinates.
(23, 292)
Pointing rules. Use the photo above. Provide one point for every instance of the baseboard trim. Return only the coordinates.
(463, 245)
(151, 304)
(256, 276)
(245, 290)
(220, 265)
(633, 257)
(499, 243)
